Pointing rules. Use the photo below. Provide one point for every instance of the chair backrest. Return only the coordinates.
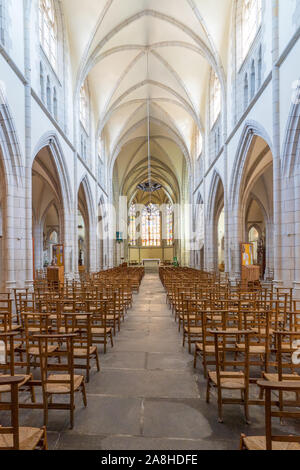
(224, 347)
(287, 346)
(279, 387)
(34, 324)
(6, 314)
(66, 354)
(7, 362)
(13, 407)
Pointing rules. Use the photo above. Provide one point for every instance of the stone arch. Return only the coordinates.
(49, 164)
(214, 209)
(251, 129)
(51, 141)
(241, 189)
(87, 210)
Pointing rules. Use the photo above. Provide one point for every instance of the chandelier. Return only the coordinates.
(149, 186)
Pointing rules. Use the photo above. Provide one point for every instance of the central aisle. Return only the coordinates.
(147, 395)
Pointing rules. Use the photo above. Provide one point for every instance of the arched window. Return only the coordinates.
(55, 108)
(170, 236)
(251, 21)
(81, 145)
(199, 144)
(48, 30)
(215, 98)
(252, 90)
(42, 82)
(259, 68)
(84, 107)
(246, 91)
(48, 94)
(221, 240)
(132, 225)
(151, 226)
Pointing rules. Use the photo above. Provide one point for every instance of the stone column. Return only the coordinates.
(28, 166)
(276, 144)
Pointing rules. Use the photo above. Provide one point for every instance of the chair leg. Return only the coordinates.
(195, 357)
(32, 394)
(190, 345)
(97, 360)
(242, 447)
(220, 406)
(111, 340)
(46, 410)
(87, 372)
(208, 391)
(45, 441)
(246, 407)
(83, 391)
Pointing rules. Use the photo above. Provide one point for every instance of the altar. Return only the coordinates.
(151, 264)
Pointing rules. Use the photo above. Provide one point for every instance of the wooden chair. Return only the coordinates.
(34, 324)
(224, 379)
(285, 364)
(16, 437)
(101, 331)
(84, 350)
(64, 381)
(271, 441)
(9, 363)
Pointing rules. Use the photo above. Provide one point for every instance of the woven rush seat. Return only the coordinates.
(29, 438)
(82, 352)
(229, 380)
(13, 328)
(208, 348)
(285, 377)
(62, 388)
(34, 350)
(16, 346)
(6, 388)
(63, 330)
(100, 331)
(194, 330)
(252, 349)
(259, 443)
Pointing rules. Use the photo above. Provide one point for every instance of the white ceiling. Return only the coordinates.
(111, 43)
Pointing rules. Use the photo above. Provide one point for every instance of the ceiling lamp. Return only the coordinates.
(149, 186)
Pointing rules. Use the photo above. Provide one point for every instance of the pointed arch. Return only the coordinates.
(51, 141)
(251, 130)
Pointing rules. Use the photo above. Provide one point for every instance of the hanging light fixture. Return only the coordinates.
(149, 186)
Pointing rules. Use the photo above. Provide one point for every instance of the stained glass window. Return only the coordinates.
(48, 30)
(170, 237)
(151, 226)
(251, 21)
(132, 225)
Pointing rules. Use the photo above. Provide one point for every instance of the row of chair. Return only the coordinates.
(49, 335)
(245, 336)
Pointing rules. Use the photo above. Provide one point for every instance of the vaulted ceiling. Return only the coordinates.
(132, 51)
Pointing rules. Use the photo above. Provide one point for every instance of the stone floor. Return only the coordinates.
(147, 395)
